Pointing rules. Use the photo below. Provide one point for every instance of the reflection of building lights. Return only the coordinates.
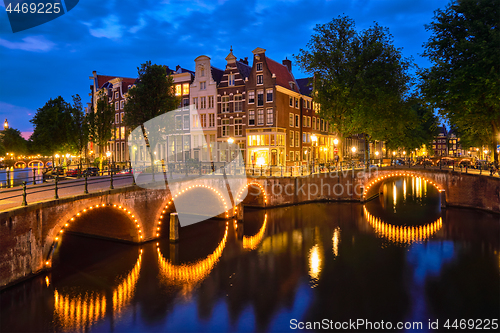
(336, 240)
(314, 262)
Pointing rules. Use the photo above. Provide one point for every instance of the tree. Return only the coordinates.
(360, 78)
(79, 127)
(152, 96)
(464, 81)
(12, 142)
(100, 123)
(51, 126)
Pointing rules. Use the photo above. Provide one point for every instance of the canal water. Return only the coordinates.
(398, 258)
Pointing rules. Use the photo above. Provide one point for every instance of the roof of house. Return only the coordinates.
(283, 75)
(103, 82)
(244, 69)
(305, 86)
(217, 74)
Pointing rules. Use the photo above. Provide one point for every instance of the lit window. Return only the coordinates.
(269, 116)
(304, 121)
(251, 117)
(269, 95)
(238, 127)
(211, 117)
(297, 139)
(238, 107)
(225, 104)
(177, 90)
(225, 127)
(260, 79)
(259, 66)
(251, 97)
(260, 117)
(185, 89)
(291, 138)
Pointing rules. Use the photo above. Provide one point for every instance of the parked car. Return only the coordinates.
(92, 171)
(53, 172)
(73, 172)
(125, 172)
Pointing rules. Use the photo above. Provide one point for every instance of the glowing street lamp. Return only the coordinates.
(5, 124)
(376, 153)
(230, 141)
(108, 154)
(335, 141)
(353, 149)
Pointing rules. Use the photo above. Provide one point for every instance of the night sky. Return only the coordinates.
(114, 37)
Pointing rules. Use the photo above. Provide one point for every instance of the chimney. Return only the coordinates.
(177, 67)
(245, 60)
(288, 64)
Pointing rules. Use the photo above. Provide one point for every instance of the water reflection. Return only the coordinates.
(81, 310)
(403, 234)
(187, 276)
(252, 242)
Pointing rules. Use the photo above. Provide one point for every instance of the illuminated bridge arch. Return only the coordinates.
(20, 164)
(169, 206)
(189, 275)
(403, 234)
(55, 236)
(35, 163)
(371, 187)
(240, 198)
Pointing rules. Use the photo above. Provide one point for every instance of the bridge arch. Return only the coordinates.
(169, 207)
(20, 164)
(371, 187)
(36, 163)
(54, 236)
(261, 193)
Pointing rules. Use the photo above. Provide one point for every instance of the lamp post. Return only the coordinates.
(108, 154)
(5, 124)
(58, 161)
(314, 140)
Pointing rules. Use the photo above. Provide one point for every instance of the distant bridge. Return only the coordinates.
(29, 235)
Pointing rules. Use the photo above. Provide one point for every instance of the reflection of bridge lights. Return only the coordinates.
(188, 275)
(221, 197)
(396, 174)
(79, 312)
(252, 242)
(403, 234)
(238, 196)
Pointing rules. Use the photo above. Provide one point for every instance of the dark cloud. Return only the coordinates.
(114, 37)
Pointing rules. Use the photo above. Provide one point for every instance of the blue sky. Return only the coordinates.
(114, 37)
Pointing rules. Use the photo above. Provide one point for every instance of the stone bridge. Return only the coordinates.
(30, 235)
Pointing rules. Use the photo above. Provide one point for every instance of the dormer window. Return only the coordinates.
(259, 67)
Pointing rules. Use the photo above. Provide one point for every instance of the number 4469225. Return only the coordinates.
(478, 324)
(38, 8)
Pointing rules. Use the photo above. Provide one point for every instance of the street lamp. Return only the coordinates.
(335, 141)
(5, 124)
(230, 141)
(314, 140)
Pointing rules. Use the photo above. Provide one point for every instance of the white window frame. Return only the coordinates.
(269, 116)
(259, 66)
